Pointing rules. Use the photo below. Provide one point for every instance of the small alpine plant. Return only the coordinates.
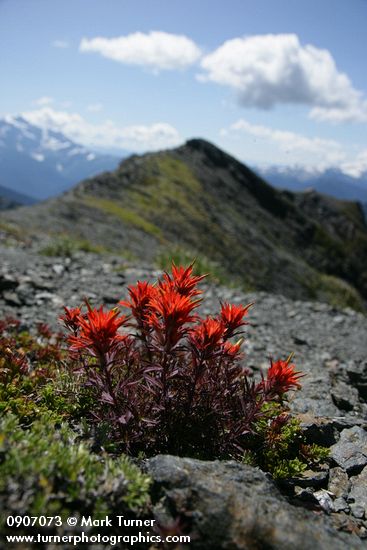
(166, 380)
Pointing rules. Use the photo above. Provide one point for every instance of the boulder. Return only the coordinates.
(227, 505)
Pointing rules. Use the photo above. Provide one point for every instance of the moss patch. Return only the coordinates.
(45, 470)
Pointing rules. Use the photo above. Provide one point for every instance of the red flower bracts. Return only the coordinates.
(171, 315)
(207, 337)
(166, 380)
(98, 331)
(182, 280)
(281, 378)
(232, 317)
(139, 303)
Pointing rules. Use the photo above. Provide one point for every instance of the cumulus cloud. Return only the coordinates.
(63, 44)
(135, 137)
(310, 151)
(156, 50)
(270, 70)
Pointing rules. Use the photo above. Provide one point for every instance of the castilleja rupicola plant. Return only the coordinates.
(166, 379)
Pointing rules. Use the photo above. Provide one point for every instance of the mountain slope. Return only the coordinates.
(42, 163)
(329, 182)
(11, 199)
(203, 200)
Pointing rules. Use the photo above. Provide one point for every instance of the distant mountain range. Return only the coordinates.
(10, 198)
(38, 163)
(332, 181)
(201, 201)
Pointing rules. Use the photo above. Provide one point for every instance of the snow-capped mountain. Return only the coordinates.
(332, 181)
(42, 163)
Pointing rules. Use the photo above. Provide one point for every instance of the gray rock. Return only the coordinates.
(357, 374)
(7, 281)
(340, 505)
(338, 482)
(319, 430)
(26, 294)
(11, 298)
(358, 491)
(357, 511)
(345, 396)
(234, 506)
(324, 499)
(58, 269)
(39, 283)
(350, 452)
(310, 478)
(306, 497)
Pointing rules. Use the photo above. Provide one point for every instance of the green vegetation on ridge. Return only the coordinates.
(110, 208)
(197, 198)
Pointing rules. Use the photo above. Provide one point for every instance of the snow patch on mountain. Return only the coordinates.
(41, 163)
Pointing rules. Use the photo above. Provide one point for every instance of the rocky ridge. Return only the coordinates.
(203, 201)
(330, 347)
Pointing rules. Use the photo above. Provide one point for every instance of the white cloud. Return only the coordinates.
(136, 137)
(354, 111)
(44, 100)
(63, 44)
(308, 151)
(270, 70)
(95, 107)
(356, 167)
(156, 50)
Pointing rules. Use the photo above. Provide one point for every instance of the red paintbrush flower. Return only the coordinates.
(140, 296)
(171, 311)
(232, 350)
(98, 331)
(232, 317)
(71, 318)
(207, 336)
(182, 280)
(282, 377)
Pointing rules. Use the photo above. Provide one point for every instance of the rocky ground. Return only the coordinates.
(231, 505)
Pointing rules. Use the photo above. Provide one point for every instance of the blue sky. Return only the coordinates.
(270, 81)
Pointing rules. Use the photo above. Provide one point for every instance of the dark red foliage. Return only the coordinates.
(175, 382)
(22, 354)
(71, 318)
